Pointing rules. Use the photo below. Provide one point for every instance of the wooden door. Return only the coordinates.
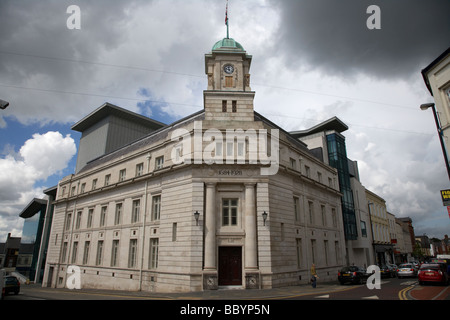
(230, 266)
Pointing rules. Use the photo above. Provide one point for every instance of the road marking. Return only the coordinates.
(325, 296)
(402, 293)
(436, 297)
(371, 298)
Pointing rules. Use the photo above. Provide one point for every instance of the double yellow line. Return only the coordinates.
(402, 293)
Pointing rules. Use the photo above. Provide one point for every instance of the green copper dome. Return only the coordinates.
(228, 44)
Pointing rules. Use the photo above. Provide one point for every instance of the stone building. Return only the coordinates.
(217, 199)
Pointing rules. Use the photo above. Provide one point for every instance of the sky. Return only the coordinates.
(312, 60)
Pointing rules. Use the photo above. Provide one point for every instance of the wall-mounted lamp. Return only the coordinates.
(196, 216)
(3, 104)
(264, 215)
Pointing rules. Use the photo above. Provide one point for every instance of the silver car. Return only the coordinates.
(406, 270)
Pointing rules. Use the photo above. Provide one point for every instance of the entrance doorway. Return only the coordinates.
(230, 266)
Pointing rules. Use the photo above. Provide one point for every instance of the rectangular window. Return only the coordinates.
(299, 253)
(122, 175)
(307, 172)
(90, 217)
(99, 257)
(218, 150)
(64, 252)
(174, 231)
(132, 254)
(297, 209)
(234, 106)
(135, 211)
(338, 253)
(153, 255)
(228, 81)
(363, 229)
(229, 212)
(107, 179)
(324, 215)
(118, 214)
(224, 106)
(325, 246)
(334, 217)
(241, 149)
(115, 253)
(68, 221)
(293, 163)
(74, 252)
(313, 250)
(94, 184)
(103, 216)
(156, 208)
(83, 187)
(311, 212)
(139, 169)
(87, 244)
(159, 162)
(78, 221)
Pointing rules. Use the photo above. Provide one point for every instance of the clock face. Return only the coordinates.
(228, 68)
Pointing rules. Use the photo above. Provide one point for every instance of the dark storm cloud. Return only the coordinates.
(332, 35)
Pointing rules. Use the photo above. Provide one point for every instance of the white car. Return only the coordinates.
(406, 270)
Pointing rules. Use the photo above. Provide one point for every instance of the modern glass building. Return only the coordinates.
(337, 157)
(328, 144)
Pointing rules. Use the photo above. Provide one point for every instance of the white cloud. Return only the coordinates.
(38, 159)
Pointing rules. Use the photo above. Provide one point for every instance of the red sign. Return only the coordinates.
(448, 209)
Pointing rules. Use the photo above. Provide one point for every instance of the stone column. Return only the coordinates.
(251, 247)
(210, 281)
(210, 227)
(251, 261)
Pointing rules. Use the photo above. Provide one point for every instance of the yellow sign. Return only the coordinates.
(445, 194)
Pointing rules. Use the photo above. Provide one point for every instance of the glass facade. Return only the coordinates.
(337, 157)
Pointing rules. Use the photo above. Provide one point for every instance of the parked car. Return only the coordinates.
(433, 272)
(387, 271)
(352, 274)
(406, 270)
(12, 284)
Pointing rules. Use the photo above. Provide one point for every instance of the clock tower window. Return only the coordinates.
(228, 81)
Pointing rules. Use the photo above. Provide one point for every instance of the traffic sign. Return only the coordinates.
(445, 195)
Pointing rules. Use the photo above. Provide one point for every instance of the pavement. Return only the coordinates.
(221, 294)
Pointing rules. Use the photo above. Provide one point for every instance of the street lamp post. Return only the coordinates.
(439, 130)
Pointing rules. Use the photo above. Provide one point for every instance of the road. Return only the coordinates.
(391, 289)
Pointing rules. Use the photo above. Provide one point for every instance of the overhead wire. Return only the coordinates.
(188, 75)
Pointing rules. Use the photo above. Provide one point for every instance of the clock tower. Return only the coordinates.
(229, 96)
